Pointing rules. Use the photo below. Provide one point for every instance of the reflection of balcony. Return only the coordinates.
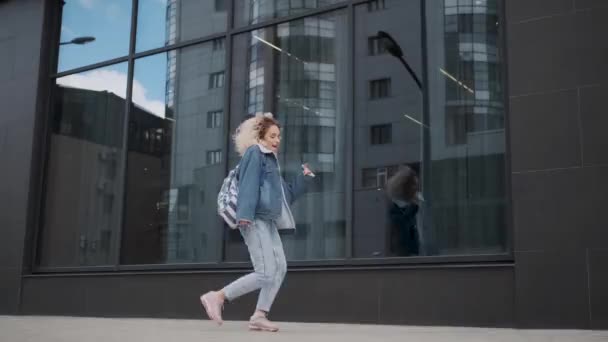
(108, 155)
(259, 10)
(105, 186)
(162, 205)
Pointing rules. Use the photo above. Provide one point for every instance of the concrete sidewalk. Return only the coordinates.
(70, 329)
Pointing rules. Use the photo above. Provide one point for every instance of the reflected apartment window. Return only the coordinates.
(214, 119)
(216, 80)
(376, 5)
(379, 89)
(376, 177)
(220, 5)
(219, 44)
(375, 46)
(381, 134)
(214, 157)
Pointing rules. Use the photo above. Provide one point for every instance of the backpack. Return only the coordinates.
(227, 198)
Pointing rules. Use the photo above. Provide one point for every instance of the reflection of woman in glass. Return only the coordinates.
(262, 209)
(402, 190)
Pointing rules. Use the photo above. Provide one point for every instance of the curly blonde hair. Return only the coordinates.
(252, 130)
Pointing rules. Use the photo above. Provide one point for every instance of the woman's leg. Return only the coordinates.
(270, 289)
(270, 266)
(260, 243)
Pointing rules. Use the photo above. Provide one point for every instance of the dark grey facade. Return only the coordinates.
(546, 269)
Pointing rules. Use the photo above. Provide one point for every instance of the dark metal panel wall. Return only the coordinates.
(558, 85)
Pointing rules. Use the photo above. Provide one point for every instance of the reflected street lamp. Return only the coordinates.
(424, 220)
(79, 41)
(395, 50)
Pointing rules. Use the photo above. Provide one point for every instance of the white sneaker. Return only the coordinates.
(213, 306)
(261, 323)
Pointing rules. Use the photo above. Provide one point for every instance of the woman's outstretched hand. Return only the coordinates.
(306, 170)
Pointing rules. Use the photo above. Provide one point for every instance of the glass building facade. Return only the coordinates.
(116, 134)
(142, 118)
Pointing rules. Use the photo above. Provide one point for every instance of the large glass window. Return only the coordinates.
(455, 149)
(93, 31)
(400, 171)
(465, 213)
(388, 135)
(175, 158)
(82, 200)
(166, 22)
(299, 71)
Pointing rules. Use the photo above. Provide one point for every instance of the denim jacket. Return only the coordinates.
(263, 194)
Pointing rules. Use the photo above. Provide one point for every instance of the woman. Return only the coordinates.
(403, 192)
(262, 208)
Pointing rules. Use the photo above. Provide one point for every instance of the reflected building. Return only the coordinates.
(291, 70)
(461, 149)
(195, 92)
(467, 118)
(297, 71)
(384, 138)
(86, 146)
(146, 210)
(84, 162)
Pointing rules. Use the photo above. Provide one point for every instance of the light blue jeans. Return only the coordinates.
(269, 264)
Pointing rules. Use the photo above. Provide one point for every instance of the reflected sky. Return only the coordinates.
(109, 21)
(151, 19)
(149, 82)
(149, 94)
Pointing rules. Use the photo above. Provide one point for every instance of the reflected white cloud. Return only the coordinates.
(114, 82)
(88, 4)
(140, 97)
(113, 11)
